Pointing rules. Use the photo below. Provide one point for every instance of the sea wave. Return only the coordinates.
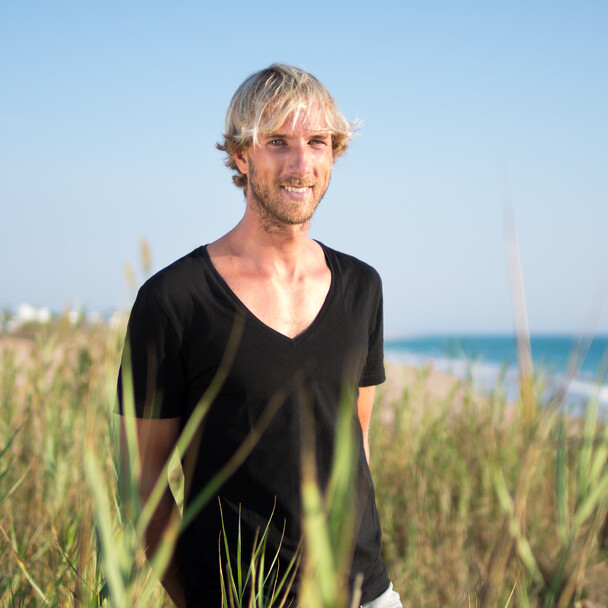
(487, 377)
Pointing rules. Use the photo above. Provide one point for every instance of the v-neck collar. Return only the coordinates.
(239, 303)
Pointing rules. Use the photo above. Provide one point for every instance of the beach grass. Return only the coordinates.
(483, 502)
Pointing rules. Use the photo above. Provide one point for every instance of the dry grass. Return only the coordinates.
(481, 504)
(465, 482)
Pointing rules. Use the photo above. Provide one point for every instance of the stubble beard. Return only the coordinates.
(277, 213)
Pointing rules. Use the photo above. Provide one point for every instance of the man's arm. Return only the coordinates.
(365, 404)
(156, 439)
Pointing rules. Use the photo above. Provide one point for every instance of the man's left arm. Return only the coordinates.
(365, 404)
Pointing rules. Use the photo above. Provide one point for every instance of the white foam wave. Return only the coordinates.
(486, 377)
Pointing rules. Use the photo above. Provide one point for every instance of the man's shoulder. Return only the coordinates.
(179, 276)
(170, 291)
(349, 266)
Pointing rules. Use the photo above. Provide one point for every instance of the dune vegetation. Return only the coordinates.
(483, 502)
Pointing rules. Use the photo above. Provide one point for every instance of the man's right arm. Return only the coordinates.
(156, 439)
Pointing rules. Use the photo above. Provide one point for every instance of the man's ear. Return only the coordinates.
(242, 161)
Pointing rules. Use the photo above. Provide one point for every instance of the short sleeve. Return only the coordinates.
(152, 358)
(373, 372)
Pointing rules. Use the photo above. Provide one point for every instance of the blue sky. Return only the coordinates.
(109, 113)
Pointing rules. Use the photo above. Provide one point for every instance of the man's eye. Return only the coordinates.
(276, 142)
(318, 142)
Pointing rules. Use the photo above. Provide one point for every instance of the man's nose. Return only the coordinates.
(299, 161)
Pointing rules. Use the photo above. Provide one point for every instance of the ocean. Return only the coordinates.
(491, 361)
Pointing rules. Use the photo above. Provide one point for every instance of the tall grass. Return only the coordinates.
(483, 502)
(486, 503)
(55, 394)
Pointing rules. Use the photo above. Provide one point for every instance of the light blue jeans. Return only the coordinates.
(389, 599)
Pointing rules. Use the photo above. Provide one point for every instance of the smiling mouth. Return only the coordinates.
(296, 189)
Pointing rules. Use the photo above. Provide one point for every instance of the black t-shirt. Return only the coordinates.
(190, 336)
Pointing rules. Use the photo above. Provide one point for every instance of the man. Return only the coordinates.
(278, 327)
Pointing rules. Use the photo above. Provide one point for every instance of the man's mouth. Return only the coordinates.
(297, 189)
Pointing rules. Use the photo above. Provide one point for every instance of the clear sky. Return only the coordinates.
(109, 113)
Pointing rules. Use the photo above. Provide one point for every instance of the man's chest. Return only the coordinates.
(259, 362)
(287, 307)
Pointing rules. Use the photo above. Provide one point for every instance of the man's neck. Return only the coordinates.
(281, 277)
(282, 250)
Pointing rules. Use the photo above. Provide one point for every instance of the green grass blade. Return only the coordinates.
(521, 542)
(584, 468)
(561, 485)
(24, 569)
(318, 549)
(597, 495)
(231, 578)
(600, 458)
(112, 556)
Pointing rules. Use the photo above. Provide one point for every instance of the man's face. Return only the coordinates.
(289, 170)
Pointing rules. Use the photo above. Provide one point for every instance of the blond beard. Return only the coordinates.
(277, 213)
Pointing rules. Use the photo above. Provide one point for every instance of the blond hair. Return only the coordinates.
(266, 99)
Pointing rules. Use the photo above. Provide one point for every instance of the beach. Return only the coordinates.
(570, 365)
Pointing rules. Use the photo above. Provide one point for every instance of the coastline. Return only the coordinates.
(567, 367)
(425, 389)
(405, 376)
